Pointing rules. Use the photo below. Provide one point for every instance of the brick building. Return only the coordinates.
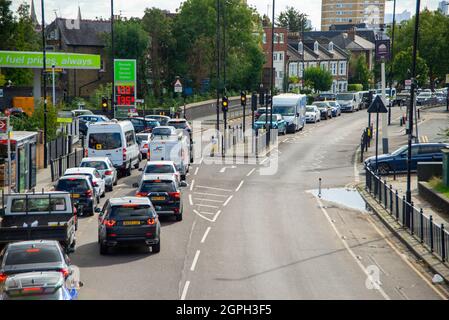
(279, 55)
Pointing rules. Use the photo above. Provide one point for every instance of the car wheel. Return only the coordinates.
(116, 181)
(103, 249)
(110, 188)
(136, 166)
(178, 217)
(156, 248)
(384, 169)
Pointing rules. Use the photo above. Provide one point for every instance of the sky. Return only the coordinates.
(90, 9)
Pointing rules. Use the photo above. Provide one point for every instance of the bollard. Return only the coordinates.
(421, 224)
(319, 188)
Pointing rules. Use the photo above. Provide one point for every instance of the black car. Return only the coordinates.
(82, 192)
(33, 256)
(128, 221)
(143, 125)
(325, 110)
(326, 97)
(164, 194)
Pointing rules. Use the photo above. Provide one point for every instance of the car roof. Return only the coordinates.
(177, 120)
(164, 162)
(74, 177)
(33, 242)
(129, 200)
(88, 159)
(80, 170)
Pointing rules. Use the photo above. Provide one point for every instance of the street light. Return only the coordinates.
(392, 57)
(271, 75)
(44, 75)
(218, 66)
(412, 100)
(112, 59)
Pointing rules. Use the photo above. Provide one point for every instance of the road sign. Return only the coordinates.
(64, 117)
(377, 106)
(3, 125)
(408, 82)
(125, 93)
(382, 50)
(178, 86)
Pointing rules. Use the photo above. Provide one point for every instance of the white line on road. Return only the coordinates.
(206, 218)
(204, 187)
(184, 291)
(217, 215)
(217, 201)
(240, 185)
(195, 260)
(190, 200)
(207, 206)
(191, 185)
(227, 201)
(205, 235)
(210, 194)
(251, 172)
(208, 213)
(196, 171)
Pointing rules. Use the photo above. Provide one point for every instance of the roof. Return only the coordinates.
(177, 120)
(368, 35)
(80, 170)
(95, 159)
(156, 163)
(90, 32)
(32, 242)
(129, 200)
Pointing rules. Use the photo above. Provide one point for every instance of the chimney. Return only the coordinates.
(351, 33)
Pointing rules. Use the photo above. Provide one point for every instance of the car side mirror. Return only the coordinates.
(135, 185)
(183, 184)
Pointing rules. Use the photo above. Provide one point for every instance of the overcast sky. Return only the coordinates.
(90, 9)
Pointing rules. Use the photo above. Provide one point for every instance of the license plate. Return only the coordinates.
(76, 196)
(158, 198)
(131, 223)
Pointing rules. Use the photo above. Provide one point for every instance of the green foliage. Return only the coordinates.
(318, 79)
(359, 71)
(402, 65)
(293, 20)
(2, 80)
(437, 184)
(355, 87)
(101, 91)
(7, 25)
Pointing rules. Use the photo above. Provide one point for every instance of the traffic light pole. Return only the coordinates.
(225, 123)
(44, 74)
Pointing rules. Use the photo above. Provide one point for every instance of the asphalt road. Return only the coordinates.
(251, 236)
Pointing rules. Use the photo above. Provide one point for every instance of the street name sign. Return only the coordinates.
(377, 106)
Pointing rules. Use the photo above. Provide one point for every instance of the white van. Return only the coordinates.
(293, 108)
(115, 140)
(349, 101)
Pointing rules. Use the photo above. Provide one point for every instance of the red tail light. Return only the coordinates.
(145, 146)
(65, 272)
(113, 235)
(176, 195)
(124, 154)
(89, 193)
(33, 289)
(141, 194)
(108, 173)
(109, 223)
(95, 184)
(151, 221)
(86, 153)
(3, 277)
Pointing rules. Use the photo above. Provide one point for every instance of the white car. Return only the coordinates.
(160, 170)
(95, 177)
(313, 114)
(105, 168)
(143, 139)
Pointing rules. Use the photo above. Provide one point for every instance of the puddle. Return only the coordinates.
(344, 196)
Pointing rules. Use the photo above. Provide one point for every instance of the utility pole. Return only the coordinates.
(271, 75)
(112, 59)
(412, 100)
(44, 75)
(218, 66)
(54, 89)
(392, 59)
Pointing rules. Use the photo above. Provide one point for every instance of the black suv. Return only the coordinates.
(128, 221)
(82, 192)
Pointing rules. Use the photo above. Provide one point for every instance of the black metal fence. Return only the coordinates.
(422, 227)
(61, 164)
(59, 147)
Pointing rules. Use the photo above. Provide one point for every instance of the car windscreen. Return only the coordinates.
(400, 150)
(105, 141)
(178, 125)
(159, 168)
(284, 110)
(99, 165)
(162, 132)
(345, 96)
(164, 186)
(140, 138)
(72, 185)
(131, 210)
(332, 104)
(264, 118)
(30, 255)
(44, 204)
(321, 105)
(310, 109)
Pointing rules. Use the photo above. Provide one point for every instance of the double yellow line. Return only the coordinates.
(424, 139)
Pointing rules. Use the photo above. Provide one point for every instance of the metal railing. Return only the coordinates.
(61, 164)
(419, 225)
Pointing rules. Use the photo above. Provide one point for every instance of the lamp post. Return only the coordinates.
(112, 59)
(412, 100)
(218, 66)
(44, 75)
(271, 75)
(392, 58)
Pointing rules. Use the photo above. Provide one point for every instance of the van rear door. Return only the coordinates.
(106, 144)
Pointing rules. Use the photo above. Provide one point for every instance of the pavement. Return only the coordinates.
(256, 231)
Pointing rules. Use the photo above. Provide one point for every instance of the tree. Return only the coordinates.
(7, 26)
(293, 20)
(318, 79)
(359, 71)
(402, 65)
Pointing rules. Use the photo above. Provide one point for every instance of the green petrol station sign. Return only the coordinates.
(125, 72)
(34, 60)
(125, 81)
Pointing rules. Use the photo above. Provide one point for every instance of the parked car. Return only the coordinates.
(105, 167)
(278, 123)
(163, 120)
(143, 125)
(128, 221)
(259, 112)
(82, 192)
(78, 112)
(164, 194)
(326, 97)
(349, 101)
(397, 160)
(424, 98)
(86, 120)
(95, 177)
(34, 256)
(45, 285)
(336, 108)
(325, 109)
(143, 139)
(313, 114)
(161, 169)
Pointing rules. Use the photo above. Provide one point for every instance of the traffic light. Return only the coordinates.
(254, 102)
(225, 104)
(104, 103)
(262, 98)
(243, 98)
(268, 98)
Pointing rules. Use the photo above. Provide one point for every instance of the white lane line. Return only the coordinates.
(208, 213)
(210, 194)
(240, 185)
(196, 171)
(184, 291)
(190, 200)
(195, 260)
(265, 160)
(217, 215)
(205, 235)
(251, 172)
(227, 201)
(219, 189)
(207, 200)
(353, 255)
(191, 185)
(207, 206)
(206, 218)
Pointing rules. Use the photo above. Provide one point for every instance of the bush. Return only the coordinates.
(355, 87)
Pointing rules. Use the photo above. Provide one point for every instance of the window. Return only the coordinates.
(315, 46)
(281, 74)
(164, 186)
(275, 57)
(132, 211)
(72, 185)
(38, 254)
(130, 138)
(282, 38)
(281, 56)
(99, 165)
(38, 205)
(342, 68)
(105, 141)
(264, 38)
(159, 168)
(300, 47)
(331, 46)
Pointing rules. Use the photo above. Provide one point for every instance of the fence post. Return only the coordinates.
(385, 194)
(391, 199)
(403, 210)
(59, 167)
(397, 205)
(412, 222)
(421, 225)
(443, 247)
(380, 189)
(431, 232)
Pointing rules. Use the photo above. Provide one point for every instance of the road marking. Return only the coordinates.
(196, 171)
(348, 248)
(227, 201)
(251, 172)
(206, 218)
(204, 187)
(190, 200)
(184, 291)
(240, 185)
(195, 260)
(218, 214)
(207, 206)
(205, 235)
(217, 201)
(191, 185)
(224, 169)
(210, 194)
(208, 213)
